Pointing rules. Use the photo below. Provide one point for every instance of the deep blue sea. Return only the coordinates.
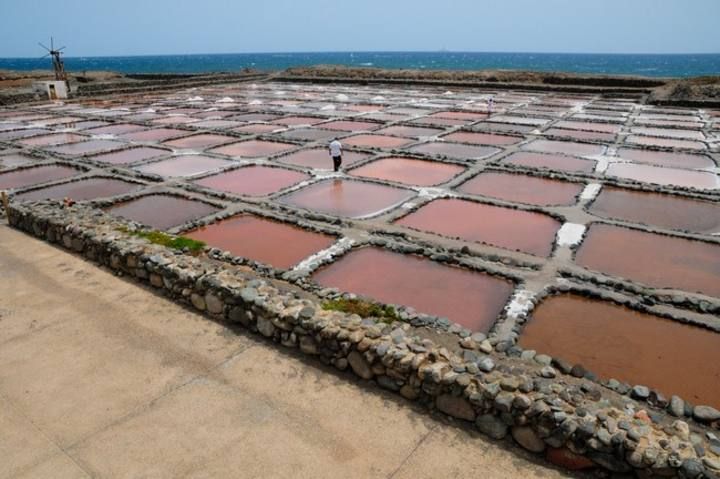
(631, 64)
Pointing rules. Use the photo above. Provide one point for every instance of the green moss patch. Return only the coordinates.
(169, 241)
(363, 308)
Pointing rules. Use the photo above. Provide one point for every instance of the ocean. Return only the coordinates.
(612, 64)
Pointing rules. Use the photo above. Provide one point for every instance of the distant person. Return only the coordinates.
(336, 153)
(491, 103)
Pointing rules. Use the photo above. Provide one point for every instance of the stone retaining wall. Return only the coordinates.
(576, 423)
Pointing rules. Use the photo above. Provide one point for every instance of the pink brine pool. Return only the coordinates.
(253, 180)
(664, 176)
(471, 299)
(655, 260)
(377, 141)
(199, 141)
(409, 171)
(523, 189)
(34, 176)
(566, 147)
(507, 228)
(350, 198)
(267, 241)
(319, 158)
(87, 189)
(130, 155)
(551, 162)
(482, 138)
(162, 211)
(455, 150)
(254, 148)
(185, 165)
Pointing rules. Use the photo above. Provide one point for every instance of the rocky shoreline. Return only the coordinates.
(547, 406)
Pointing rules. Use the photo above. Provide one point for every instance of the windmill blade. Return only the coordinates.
(61, 49)
(44, 56)
(52, 45)
(46, 48)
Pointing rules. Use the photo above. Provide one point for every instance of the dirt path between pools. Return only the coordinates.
(102, 378)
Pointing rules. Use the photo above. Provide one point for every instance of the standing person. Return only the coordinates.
(336, 153)
(490, 103)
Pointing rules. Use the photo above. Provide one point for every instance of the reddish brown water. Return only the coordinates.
(665, 143)
(459, 115)
(455, 150)
(482, 138)
(656, 260)
(162, 211)
(410, 131)
(11, 161)
(54, 139)
(471, 299)
(666, 158)
(532, 233)
(377, 141)
(253, 180)
(131, 155)
(310, 134)
(34, 176)
(567, 147)
(117, 129)
(319, 158)
(297, 120)
(589, 126)
(87, 147)
(350, 198)
(664, 176)
(656, 209)
(342, 125)
(409, 171)
(256, 128)
(88, 189)
(633, 347)
(524, 189)
(15, 134)
(553, 162)
(271, 242)
(201, 141)
(580, 135)
(186, 165)
(254, 148)
(154, 135)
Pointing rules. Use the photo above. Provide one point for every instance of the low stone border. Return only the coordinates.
(573, 421)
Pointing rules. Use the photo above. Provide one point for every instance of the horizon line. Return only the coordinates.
(367, 51)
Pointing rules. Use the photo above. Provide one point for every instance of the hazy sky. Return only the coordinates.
(136, 27)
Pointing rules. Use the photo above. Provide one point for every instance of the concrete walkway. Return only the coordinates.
(102, 378)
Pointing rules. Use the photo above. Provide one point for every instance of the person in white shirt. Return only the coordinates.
(336, 153)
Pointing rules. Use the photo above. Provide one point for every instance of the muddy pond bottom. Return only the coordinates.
(471, 299)
(267, 241)
(354, 199)
(162, 211)
(638, 348)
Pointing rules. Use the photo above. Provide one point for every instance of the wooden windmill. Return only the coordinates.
(58, 66)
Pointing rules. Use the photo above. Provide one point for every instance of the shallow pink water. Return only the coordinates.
(377, 141)
(455, 150)
(469, 298)
(131, 155)
(36, 175)
(567, 147)
(652, 259)
(154, 135)
(253, 180)
(254, 148)
(185, 165)
(668, 211)
(552, 162)
(343, 125)
(530, 232)
(409, 171)
(87, 147)
(523, 189)
(350, 198)
(409, 131)
(117, 129)
(664, 176)
(319, 158)
(162, 211)
(54, 139)
(271, 242)
(256, 128)
(482, 138)
(201, 141)
(666, 158)
(82, 190)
